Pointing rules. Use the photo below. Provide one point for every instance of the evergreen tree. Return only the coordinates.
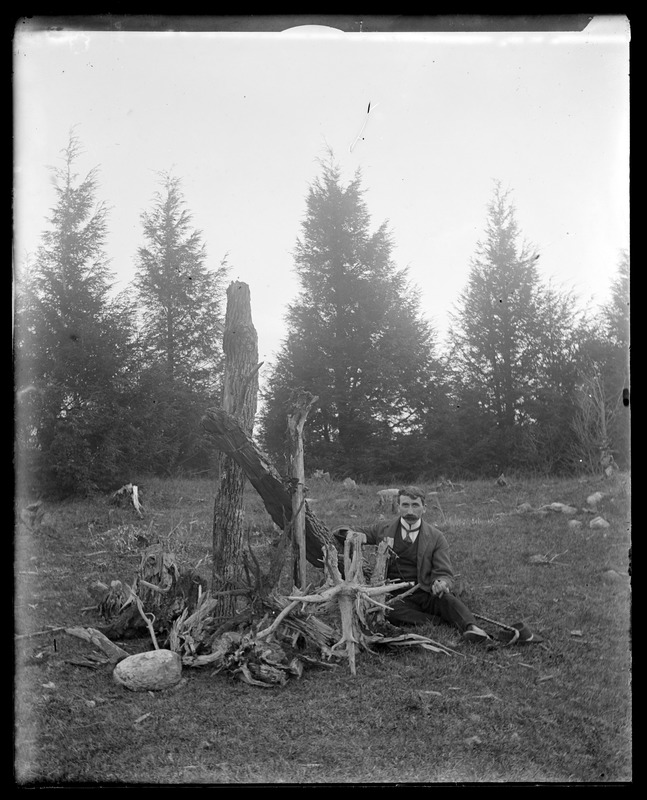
(356, 340)
(604, 364)
(71, 344)
(619, 366)
(494, 343)
(548, 438)
(616, 311)
(180, 309)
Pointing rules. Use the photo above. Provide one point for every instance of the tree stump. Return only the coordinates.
(351, 594)
(240, 391)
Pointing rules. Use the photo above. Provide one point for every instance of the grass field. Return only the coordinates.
(554, 712)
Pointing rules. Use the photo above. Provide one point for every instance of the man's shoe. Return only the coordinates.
(475, 634)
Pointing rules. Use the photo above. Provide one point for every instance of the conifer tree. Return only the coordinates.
(517, 349)
(356, 340)
(494, 342)
(616, 311)
(180, 302)
(71, 344)
(605, 362)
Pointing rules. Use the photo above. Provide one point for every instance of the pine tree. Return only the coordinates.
(180, 303)
(547, 426)
(71, 343)
(616, 311)
(494, 343)
(356, 340)
(618, 373)
(604, 363)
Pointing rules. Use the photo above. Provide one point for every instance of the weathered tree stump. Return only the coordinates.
(351, 594)
(240, 390)
(301, 405)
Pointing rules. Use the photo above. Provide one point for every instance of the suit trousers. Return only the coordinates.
(422, 607)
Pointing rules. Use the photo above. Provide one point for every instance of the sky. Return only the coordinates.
(244, 119)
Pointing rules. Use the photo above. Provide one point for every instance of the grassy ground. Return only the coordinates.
(552, 712)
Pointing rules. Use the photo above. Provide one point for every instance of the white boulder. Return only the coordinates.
(598, 522)
(154, 671)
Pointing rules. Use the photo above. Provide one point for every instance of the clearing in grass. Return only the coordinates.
(558, 710)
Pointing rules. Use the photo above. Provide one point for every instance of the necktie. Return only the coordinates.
(408, 538)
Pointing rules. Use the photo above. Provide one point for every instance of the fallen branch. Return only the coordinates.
(228, 436)
(146, 617)
(413, 639)
(95, 637)
(279, 619)
(40, 633)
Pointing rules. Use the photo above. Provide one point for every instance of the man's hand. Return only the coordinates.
(439, 587)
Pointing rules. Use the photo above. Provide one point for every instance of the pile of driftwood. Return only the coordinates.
(271, 636)
(274, 636)
(160, 592)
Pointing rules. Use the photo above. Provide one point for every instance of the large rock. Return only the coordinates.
(151, 671)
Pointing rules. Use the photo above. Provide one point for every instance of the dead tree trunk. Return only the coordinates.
(240, 393)
(228, 435)
(296, 420)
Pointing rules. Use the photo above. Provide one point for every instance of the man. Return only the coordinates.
(420, 554)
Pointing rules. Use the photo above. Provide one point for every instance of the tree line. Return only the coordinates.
(112, 386)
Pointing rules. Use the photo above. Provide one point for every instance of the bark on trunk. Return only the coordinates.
(296, 420)
(240, 392)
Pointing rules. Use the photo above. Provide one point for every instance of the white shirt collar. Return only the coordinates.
(413, 529)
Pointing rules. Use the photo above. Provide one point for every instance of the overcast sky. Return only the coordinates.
(242, 119)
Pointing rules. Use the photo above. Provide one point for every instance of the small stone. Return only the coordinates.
(563, 508)
(612, 575)
(598, 522)
(569, 510)
(574, 523)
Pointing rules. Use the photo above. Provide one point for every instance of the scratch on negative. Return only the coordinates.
(359, 135)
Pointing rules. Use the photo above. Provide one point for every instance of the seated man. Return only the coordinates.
(420, 554)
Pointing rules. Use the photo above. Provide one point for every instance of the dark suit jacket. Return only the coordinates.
(433, 551)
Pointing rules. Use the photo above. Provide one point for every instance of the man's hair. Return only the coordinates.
(414, 492)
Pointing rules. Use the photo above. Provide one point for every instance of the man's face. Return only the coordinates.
(410, 508)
